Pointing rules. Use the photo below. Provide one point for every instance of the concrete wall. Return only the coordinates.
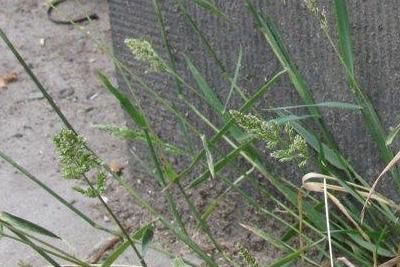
(376, 40)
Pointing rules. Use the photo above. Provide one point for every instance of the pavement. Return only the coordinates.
(65, 60)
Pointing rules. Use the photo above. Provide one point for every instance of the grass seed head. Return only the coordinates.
(144, 51)
(77, 160)
(320, 14)
(285, 145)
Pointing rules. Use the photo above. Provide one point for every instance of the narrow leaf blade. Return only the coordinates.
(343, 25)
(26, 225)
(179, 262)
(210, 161)
(133, 112)
(392, 135)
(210, 7)
(147, 238)
(120, 250)
(209, 94)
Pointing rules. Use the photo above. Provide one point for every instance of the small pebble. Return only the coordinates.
(92, 96)
(66, 92)
(115, 166)
(87, 110)
(42, 42)
(105, 199)
(35, 96)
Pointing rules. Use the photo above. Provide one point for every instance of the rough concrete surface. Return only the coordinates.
(65, 62)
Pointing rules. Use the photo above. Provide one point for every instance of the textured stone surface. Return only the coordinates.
(375, 36)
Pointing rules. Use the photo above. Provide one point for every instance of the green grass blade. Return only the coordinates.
(235, 77)
(343, 25)
(133, 111)
(371, 247)
(39, 250)
(227, 159)
(211, 8)
(123, 247)
(335, 105)
(60, 254)
(267, 237)
(147, 238)
(210, 160)
(392, 135)
(135, 135)
(25, 225)
(179, 262)
(53, 250)
(210, 95)
(292, 118)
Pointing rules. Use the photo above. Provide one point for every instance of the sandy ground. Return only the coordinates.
(66, 65)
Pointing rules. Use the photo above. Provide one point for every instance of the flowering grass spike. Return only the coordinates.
(312, 5)
(77, 160)
(143, 51)
(291, 147)
(247, 257)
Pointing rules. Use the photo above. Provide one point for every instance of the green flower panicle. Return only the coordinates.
(285, 147)
(269, 132)
(320, 14)
(143, 51)
(248, 258)
(97, 189)
(76, 160)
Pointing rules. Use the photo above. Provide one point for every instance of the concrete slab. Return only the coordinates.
(65, 62)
